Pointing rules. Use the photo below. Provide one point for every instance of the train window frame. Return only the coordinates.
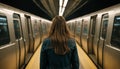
(105, 17)
(113, 44)
(17, 18)
(2, 42)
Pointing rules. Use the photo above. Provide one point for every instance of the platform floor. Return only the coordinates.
(85, 62)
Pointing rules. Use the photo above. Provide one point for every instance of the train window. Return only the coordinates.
(78, 28)
(73, 27)
(4, 32)
(104, 26)
(41, 31)
(93, 21)
(44, 28)
(69, 24)
(35, 27)
(85, 26)
(16, 22)
(115, 38)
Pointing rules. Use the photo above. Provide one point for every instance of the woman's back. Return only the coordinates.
(51, 60)
(59, 49)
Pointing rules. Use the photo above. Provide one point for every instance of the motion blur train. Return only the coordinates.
(20, 35)
(98, 34)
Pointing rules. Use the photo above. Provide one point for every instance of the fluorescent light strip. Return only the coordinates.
(62, 6)
(60, 2)
(60, 10)
(65, 3)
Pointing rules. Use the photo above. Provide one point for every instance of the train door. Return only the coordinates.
(78, 31)
(19, 38)
(84, 36)
(75, 29)
(112, 46)
(41, 32)
(30, 46)
(81, 33)
(91, 34)
(44, 30)
(36, 34)
(8, 46)
(102, 38)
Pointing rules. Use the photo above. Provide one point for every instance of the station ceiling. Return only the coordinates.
(50, 8)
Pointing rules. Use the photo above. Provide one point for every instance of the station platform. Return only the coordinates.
(85, 62)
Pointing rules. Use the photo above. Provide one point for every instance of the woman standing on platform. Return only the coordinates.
(59, 48)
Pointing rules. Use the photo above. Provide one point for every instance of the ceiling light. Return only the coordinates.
(62, 6)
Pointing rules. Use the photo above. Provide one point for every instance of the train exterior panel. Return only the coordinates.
(20, 35)
(99, 36)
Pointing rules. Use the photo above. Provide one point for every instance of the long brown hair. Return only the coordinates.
(59, 35)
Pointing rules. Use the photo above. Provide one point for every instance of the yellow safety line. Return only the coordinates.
(34, 63)
(85, 62)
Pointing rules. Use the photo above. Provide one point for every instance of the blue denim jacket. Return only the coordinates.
(50, 60)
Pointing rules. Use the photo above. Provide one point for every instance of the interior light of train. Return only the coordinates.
(3, 24)
(118, 18)
(2, 18)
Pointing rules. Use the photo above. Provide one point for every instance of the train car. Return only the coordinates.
(98, 34)
(20, 35)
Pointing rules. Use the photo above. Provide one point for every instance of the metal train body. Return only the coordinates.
(20, 35)
(98, 34)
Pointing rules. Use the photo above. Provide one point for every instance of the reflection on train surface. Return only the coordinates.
(20, 35)
(98, 34)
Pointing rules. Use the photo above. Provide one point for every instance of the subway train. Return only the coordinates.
(20, 35)
(98, 34)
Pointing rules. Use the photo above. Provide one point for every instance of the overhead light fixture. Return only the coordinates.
(62, 5)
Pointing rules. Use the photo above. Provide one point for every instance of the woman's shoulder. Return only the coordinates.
(46, 42)
(72, 43)
(71, 40)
